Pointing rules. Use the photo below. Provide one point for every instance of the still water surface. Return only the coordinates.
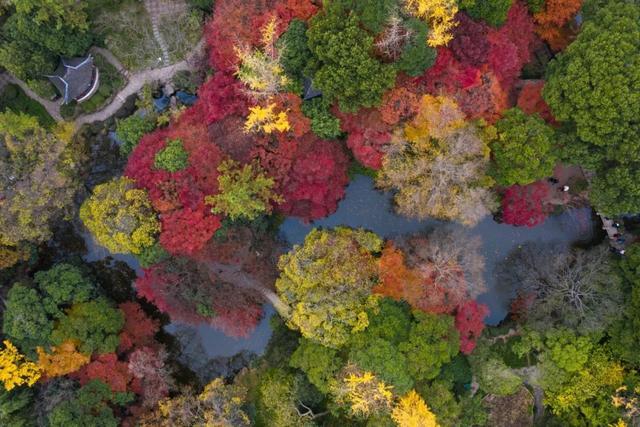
(364, 206)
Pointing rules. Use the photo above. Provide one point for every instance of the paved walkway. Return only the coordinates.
(136, 82)
(111, 58)
(53, 108)
(4, 80)
(158, 9)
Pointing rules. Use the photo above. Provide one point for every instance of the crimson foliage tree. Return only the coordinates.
(368, 135)
(310, 173)
(221, 96)
(223, 285)
(234, 23)
(470, 323)
(139, 330)
(107, 368)
(525, 205)
(187, 223)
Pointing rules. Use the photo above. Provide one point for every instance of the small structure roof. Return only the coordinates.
(310, 92)
(74, 78)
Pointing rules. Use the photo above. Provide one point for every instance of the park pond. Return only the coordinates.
(366, 207)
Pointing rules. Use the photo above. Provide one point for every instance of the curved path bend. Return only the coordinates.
(136, 82)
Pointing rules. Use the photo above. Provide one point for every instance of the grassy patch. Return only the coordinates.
(13, 98)
(126, 31)
(181, 33)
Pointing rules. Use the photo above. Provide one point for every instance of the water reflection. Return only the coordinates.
(366, 207)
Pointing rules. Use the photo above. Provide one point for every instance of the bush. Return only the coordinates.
(14, 99)
(173, 157)
(493, 12)
(131, 129)
(323, 123)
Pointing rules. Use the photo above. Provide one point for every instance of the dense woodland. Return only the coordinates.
(462, 110)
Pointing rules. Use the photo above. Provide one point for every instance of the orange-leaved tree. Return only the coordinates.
(63, 359)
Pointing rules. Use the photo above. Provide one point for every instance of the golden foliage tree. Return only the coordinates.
(411, 411)
(266, 119)
(15, 370)
(218, 405)
(362, 392)
(120, 217)
(326, 283)
(439, 14)
(64, 359)
(260, 70)
(438, 168)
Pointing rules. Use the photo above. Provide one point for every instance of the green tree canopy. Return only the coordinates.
(25, 320)
(173, 157)
(30, 49)
(347, 72)
(493, 12)
(595, 85)
(15, 407)
(59, 12)
(37, 179)
(625, 333)
(120, 217)
(279, 396)
(318, 362)
(63, 285)
(245, 191)
(131, 129)
(417, 55)
(433, 341)
(523, 149)
(31, 312)
(94, 324)
(327, 281)
(294, 51)
(88, 407)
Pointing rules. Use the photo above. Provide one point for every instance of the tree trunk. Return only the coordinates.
(233, 274)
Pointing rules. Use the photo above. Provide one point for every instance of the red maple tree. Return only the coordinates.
(470, 324)
(138, 330)
(368, 134)
(525, 205)
(189, 292)
(221, 96)
(470, 45)
(107, 368)
(531, 102)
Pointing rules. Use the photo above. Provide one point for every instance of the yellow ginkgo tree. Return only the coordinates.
(260, 69)
(362, 392)
(15, 369)
(439, 14)
(411, 411)
(267, 120)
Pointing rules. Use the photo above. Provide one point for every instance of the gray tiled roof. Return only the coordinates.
(73, 77)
